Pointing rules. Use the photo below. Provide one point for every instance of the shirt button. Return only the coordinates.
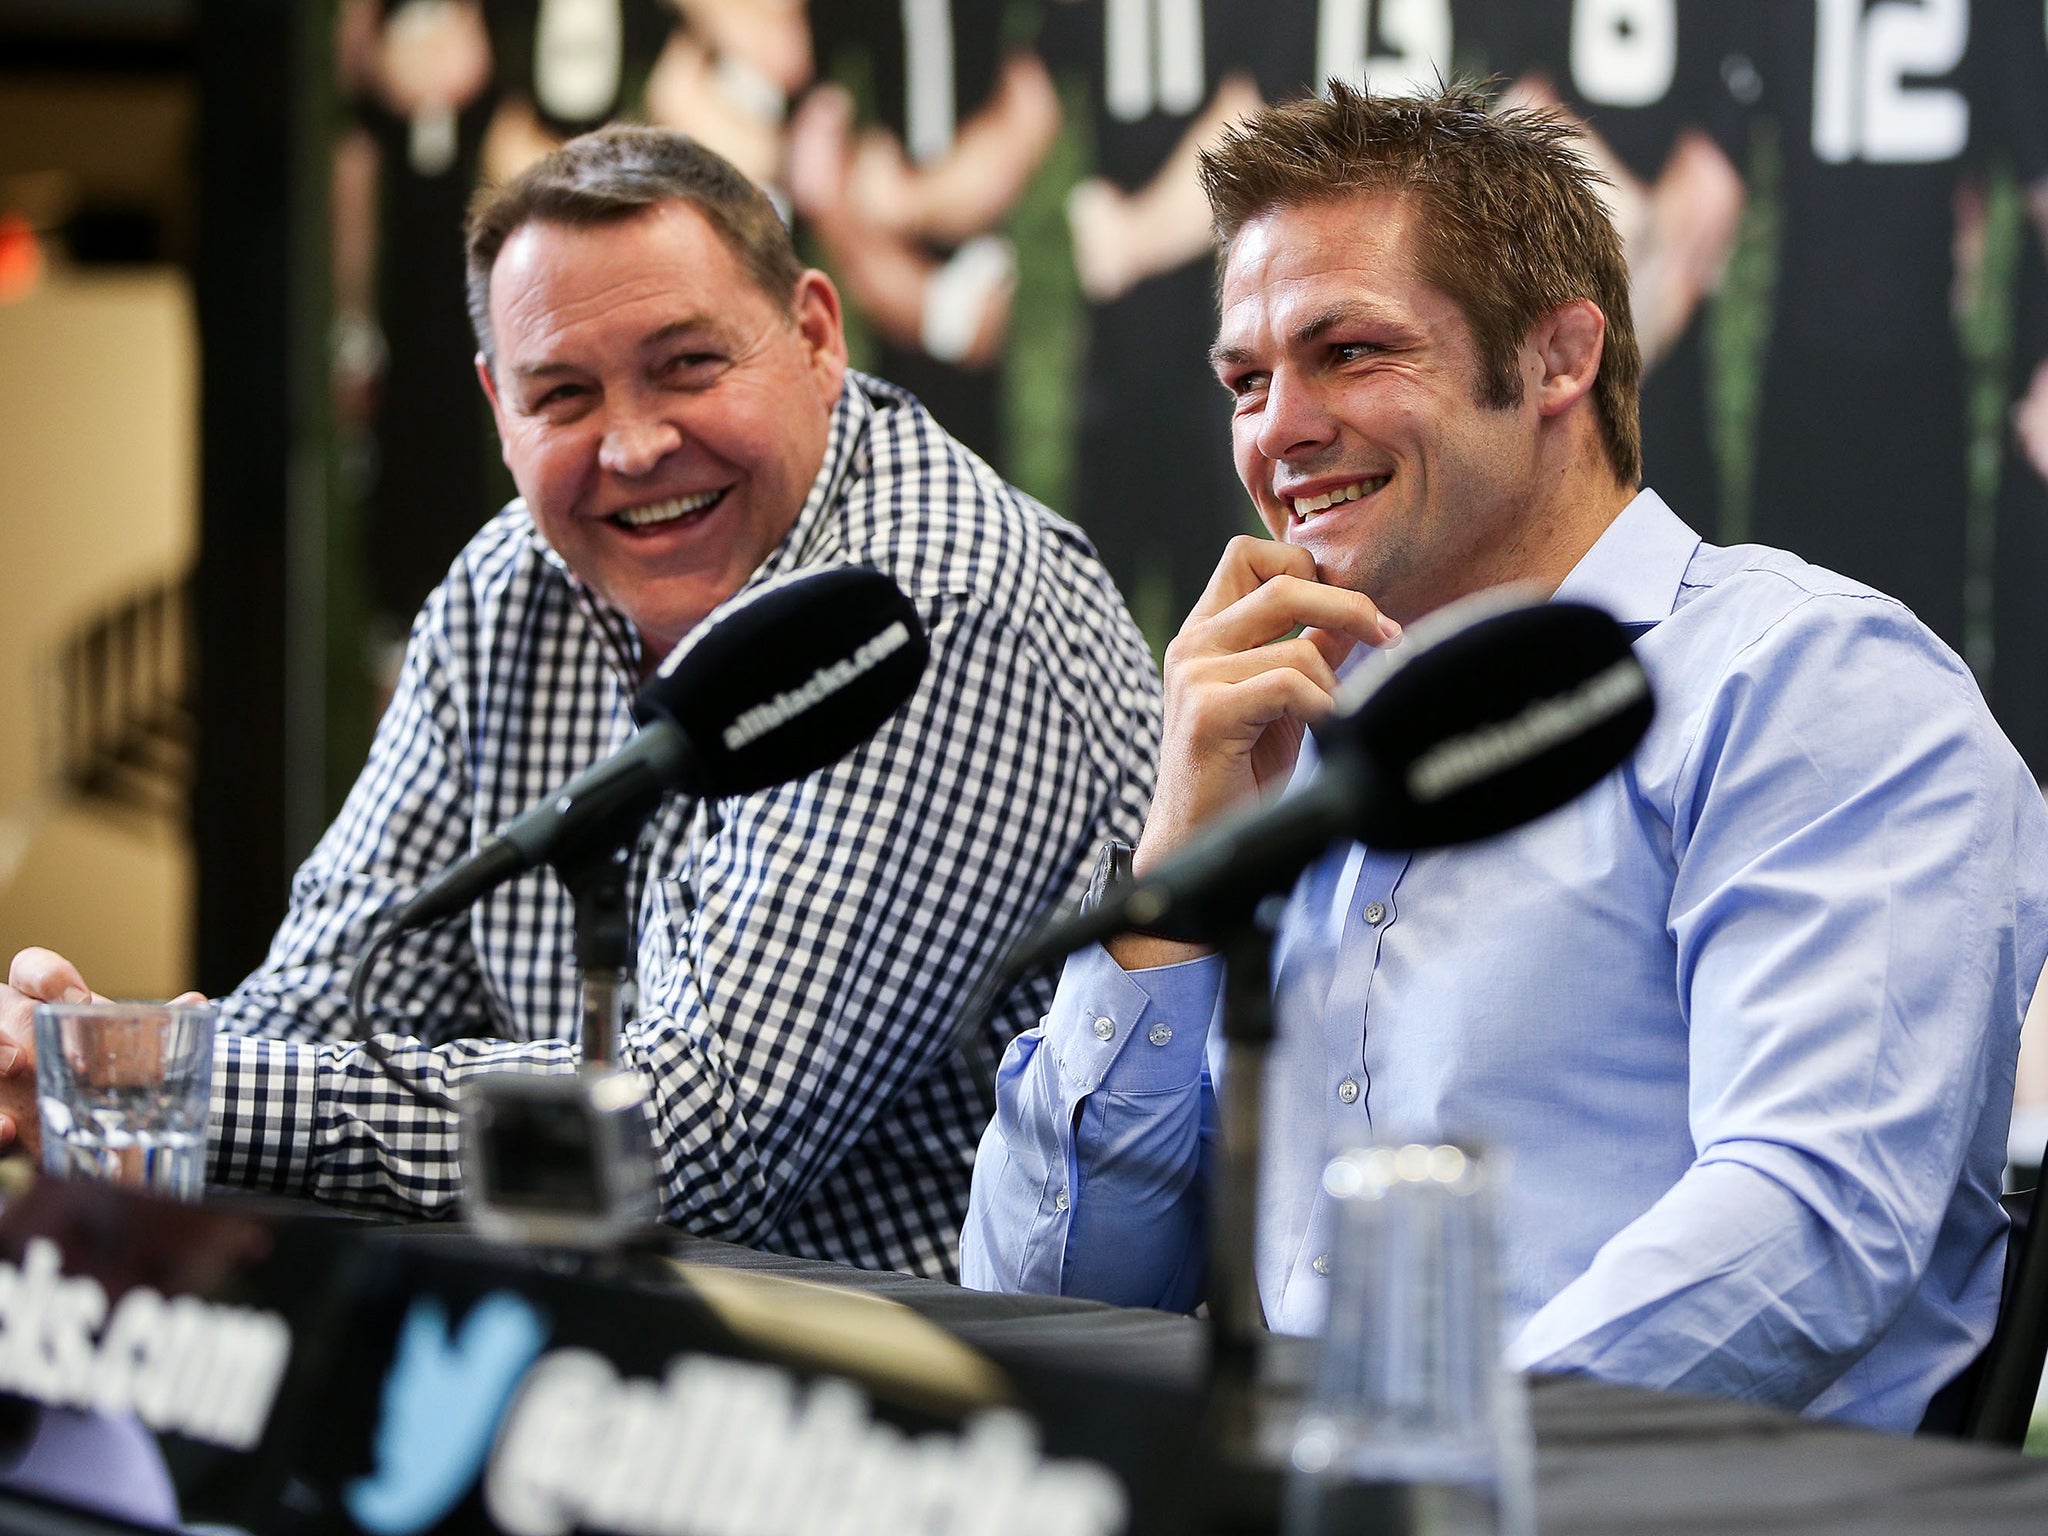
(1159, 1034)
(1321, 1265)
(1105, 1029)
(1348, 1090)
(1375, 912)
(1059, 1201)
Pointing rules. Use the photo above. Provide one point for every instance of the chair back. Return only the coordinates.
(2008, 1374)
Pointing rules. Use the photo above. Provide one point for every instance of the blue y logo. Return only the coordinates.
(442, 1402)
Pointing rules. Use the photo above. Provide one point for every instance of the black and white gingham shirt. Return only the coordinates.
(804, 952)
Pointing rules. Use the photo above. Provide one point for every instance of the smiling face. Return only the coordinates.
(662, 416)
(1357, 423)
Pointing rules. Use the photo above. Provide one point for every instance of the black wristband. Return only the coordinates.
(1112, 879)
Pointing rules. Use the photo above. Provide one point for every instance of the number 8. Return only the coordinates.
(1624, 52)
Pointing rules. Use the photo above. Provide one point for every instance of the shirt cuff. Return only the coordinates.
(1100, 1009)
(262, 1116)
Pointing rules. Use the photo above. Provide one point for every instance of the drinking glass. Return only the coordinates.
(1413, 1425)
(123, 1091)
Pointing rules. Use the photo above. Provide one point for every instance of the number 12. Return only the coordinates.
(1862, 107)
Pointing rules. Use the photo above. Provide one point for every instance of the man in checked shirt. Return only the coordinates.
(672, 392)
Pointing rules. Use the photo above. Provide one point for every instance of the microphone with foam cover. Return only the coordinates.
(1488, 714)
(788, 678)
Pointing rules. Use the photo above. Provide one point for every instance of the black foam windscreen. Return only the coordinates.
(789, 678)
(784, 681)
(1489, 714)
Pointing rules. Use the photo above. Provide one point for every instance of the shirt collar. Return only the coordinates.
(1635, 567)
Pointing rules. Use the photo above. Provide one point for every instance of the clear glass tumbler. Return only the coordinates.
(1413, 1425)
(123, 1091)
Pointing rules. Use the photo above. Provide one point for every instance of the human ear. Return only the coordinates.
(1569, 343)
(816, 315)
(483, 377)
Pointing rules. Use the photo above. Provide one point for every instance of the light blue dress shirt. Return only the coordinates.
(1740, 1023)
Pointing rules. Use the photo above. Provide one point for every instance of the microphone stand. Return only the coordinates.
(566, 1161)
(595, 879)
(1237, 1328)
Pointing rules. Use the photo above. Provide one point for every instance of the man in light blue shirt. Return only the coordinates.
(1741, 1022)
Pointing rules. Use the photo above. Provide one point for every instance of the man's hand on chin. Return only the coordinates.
(1241, 688)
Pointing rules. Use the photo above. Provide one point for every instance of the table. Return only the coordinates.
(1611, 1461)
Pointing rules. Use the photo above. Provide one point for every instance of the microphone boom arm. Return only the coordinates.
(1212, 886)
(603, 809)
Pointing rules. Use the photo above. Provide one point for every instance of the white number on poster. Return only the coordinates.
(1624, 52)
(1863, 107)
(1412, 48)
(928, 78)
(1154, 56)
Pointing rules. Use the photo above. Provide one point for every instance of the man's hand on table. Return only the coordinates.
(36, 976)
(1241, 689)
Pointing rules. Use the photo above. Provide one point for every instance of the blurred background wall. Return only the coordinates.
(98, 457)
(98, 398)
